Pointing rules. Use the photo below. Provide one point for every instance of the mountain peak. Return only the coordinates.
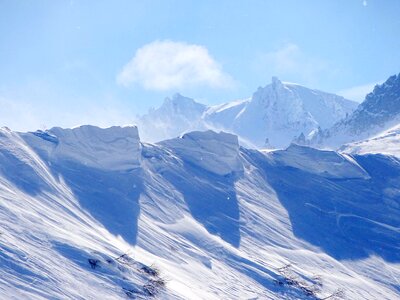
(275, 82)
(379, 111)
(179, 101)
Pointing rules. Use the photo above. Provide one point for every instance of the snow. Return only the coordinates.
(379, 112)
(217, 228)
(328, 164)
(215, 152)
(113, 148)
(279, 112)
(176, 115)
(387, 142)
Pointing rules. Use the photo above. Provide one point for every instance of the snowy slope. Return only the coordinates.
(379, 112)
(222, 227)
(327, 164)
(272, 117)
(387, 142)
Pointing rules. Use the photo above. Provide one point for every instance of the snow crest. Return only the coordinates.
(215, 152)
(327, 164)
(114, 148)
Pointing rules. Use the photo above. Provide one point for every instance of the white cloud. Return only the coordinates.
(164, 65)
(358, 93)
(290, 62)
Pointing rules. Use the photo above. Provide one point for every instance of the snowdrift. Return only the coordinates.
(114, 148)
(215, 152)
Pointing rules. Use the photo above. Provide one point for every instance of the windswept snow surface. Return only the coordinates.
(114, 148)
(387, 142)
(328, 164)
(217, 228)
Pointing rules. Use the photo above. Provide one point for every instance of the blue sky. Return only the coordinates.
(102, 62)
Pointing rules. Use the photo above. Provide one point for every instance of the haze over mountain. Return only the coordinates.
(272, 117)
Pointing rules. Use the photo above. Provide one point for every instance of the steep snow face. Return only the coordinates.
(325, 108)
(212, 235)
(114, 148)
(47, 235)
(379, 111)
(21, 165)
(387, 142)
(214, 152)
(273, 117)
(328, 164)
(224, 115)
(176, 116)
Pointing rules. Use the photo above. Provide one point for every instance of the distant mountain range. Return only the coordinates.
(272, 117)
(279, 114)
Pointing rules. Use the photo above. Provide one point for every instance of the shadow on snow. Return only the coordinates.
(347, 218)
(211, 200)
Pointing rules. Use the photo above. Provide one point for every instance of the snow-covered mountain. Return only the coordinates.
(279, 112)
(378, 112)
(90, 213)
(175, 116)
(272, 117)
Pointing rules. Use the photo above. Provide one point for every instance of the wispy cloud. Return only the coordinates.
(290, 61)
(358, 93)
(165, 65)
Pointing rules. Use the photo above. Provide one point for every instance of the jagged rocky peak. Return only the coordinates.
(379, 112)
(113, 148)
(215, 152)
(384, 101)
(276, 82)
(181, 104)
(275, 90)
